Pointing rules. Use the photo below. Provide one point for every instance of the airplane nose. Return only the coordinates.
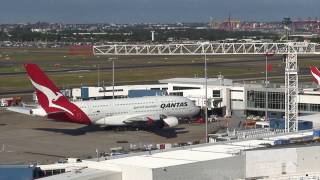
(196, 110)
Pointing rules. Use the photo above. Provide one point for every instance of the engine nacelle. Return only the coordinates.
(170, 121)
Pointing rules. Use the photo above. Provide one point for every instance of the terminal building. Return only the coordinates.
(225, 97)
(271, 157)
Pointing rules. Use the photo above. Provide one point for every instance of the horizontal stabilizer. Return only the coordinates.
(59, 115)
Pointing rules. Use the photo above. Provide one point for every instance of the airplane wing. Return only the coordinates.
(28, 110)
(143, 119)
(152, 119)
(22, 110)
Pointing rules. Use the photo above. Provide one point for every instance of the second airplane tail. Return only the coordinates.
(315, 74)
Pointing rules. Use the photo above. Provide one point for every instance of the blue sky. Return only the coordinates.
(134, 11)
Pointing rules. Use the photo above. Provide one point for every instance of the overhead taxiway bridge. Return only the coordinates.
(208, 49)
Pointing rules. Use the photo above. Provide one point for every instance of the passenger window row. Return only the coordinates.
(137, 103)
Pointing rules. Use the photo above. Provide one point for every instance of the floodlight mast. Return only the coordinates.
(291, 50)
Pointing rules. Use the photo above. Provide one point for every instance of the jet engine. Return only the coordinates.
(170, 121)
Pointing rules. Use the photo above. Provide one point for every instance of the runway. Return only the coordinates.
(215, 61)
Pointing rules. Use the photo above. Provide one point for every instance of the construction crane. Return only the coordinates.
(291, 50)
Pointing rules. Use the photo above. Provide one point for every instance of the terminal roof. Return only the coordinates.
(201, 81)
(187, 155)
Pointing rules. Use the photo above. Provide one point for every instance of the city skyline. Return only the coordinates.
(152, 11)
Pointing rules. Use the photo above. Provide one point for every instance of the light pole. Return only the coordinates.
(206, 95)
(206, 89)
(113, 78)
(267, 68)
(98, 75)
(80, 78)
(266, 86)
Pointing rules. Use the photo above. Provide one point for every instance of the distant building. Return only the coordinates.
(213, 24)
(228, 25)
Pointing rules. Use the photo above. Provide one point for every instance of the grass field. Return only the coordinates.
(160, 67)
(122, 76)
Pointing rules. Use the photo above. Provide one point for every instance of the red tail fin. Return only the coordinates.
(315, 74)
(51, 99)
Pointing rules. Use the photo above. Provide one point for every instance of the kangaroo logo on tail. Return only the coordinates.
(56, 105)
(51, 96)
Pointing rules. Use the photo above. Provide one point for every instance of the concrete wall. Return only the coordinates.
(236, 96)
(256, 163)
(227, 100)
(239, 113)
(136, 173)
(271, 162)
(224, 169)
(114, 176)
(117, 176)
(308, 159)
(277, 162)
(237, 105)
(311, 99)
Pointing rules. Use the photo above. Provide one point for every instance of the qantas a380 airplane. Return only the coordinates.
(159, 111)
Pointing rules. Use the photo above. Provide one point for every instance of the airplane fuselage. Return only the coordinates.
(118, 111)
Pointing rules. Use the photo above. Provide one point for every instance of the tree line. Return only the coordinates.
(130, 34)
